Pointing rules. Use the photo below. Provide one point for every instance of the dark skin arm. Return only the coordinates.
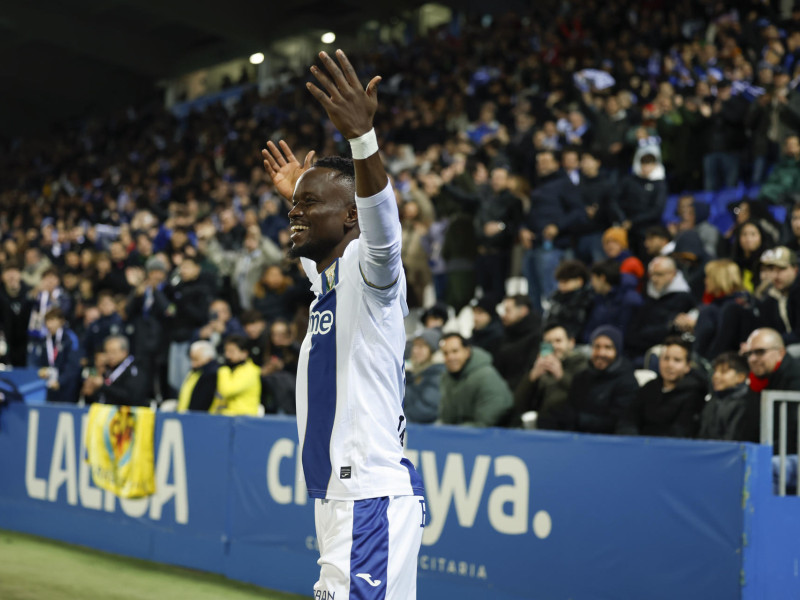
(351, 108)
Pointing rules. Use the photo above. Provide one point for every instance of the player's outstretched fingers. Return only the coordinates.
(326, 82)
(339, 79)
(347, 68)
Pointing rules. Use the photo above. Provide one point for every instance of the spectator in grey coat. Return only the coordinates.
(423, 378)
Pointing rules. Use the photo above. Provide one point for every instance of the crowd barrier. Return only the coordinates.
(512, 514)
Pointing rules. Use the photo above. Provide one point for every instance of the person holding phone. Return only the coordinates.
(544, 391)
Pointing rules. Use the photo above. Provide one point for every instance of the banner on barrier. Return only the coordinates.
(511, 514)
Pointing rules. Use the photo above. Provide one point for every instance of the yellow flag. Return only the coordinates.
(119, 447)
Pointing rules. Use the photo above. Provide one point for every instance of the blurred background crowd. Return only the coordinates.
(585, 190)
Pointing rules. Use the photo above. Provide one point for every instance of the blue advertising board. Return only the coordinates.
(512, 514)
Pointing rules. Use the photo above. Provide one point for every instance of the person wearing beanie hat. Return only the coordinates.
(423, 377)
(780, 302)
(487, 331)
(615, 246)
(601, 394)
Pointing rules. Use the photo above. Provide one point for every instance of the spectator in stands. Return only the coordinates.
(238, 381)
(772, 368)
(522, 332)
(667, 296)
(596, 195)
(498, 220)
(732, 411)
(284, 349)
(728, 315)
(724, 135)
(780, 304)
(244, 265)
(547, 384)
(147, 311)
(277, 295)
(424, 378)
(657, 241)
(200, 386)
(693, 216)
(34, 266)
(47, 294)
(190, 299)
(221, 324)
(255, 329)
(120, 382)
(487, 331)
(279, 370)
(614, 303)
(572, 300)
(750, 243)
(60, 358)
(473, 392)
(641, 198)
(601, 394)
(615, 247)
(555, 209)
(783, 183)
(15, 310)
(110, 323)
(793, 235)
(669, 405)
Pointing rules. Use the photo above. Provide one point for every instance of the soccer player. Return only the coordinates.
(346, 230)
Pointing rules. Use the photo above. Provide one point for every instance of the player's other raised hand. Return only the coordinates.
(283, 168)
(350, 107)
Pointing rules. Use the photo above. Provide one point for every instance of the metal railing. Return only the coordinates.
(768, 401)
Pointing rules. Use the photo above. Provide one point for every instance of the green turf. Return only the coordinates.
(33, 568)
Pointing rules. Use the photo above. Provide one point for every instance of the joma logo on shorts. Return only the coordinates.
(320, 322)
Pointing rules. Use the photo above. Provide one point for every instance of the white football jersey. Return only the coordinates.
(350, 375)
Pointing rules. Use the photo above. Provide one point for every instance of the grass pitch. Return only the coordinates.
(33, 568)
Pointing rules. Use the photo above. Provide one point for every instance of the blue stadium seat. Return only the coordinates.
(778, 212)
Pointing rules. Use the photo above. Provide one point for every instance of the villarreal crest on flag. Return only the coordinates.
(119, 447)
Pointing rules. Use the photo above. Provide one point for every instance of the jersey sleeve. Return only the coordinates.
(380, 241)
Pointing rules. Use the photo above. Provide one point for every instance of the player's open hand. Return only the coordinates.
(283, 168)
(350, 107)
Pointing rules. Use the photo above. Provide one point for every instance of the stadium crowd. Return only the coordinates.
(636, 165)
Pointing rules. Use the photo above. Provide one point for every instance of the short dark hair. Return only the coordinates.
(556, 325)
(344, 166)
(51, 271)
(464, 341)
(238, 340)
(55, 313)
(522, 300)
(676, 340)
(658, 231)
(251, 316)
(609, 269)
(732, 360)
(648, 159)
(571, 269)
(12, 265)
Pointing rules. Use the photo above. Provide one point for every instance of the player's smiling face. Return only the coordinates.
(320, 217)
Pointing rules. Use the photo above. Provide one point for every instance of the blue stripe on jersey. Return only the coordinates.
(369, 554)
(416, 481)
(321, 396)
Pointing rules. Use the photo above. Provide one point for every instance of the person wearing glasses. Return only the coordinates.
(771, 368)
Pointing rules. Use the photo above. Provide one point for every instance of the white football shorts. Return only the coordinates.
(368, 549)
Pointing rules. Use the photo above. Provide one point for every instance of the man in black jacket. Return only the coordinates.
(668, 295)
(15, 310)
(771, 368)
(520, 344)
(601, 394)
(596, 195)
(669, 405)
(780, 305)
(732, 411)
(121, 383)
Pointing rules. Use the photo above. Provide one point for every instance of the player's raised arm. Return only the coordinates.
(283, 168)
(351, 108)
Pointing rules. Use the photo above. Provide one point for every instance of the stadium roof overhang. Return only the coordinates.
(62, 59)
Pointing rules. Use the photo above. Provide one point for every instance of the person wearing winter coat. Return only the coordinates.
(600, 394)
(668, 295)
(522, 331)
(547, 384)
(572, 300)
(487, 332)
(423, 378)
(669, 405)
(732, 413)
(473, 392)
(614, 303)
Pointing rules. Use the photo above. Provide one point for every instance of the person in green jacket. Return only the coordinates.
(783, 182)
(473, 392)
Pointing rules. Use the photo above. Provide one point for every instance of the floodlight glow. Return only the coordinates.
(328, 38)
(257, 58)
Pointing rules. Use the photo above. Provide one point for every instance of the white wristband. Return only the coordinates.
(364, 146)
